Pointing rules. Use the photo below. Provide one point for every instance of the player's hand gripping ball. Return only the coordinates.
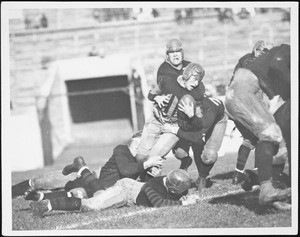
(186, 110)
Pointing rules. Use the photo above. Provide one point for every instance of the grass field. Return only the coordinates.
(224, 205)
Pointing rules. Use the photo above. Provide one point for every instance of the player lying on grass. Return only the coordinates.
(165, 97)
(121, 164)
(249, 139)
(268, 74)
(160, 191)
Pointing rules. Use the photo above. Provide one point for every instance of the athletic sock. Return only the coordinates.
(203, 169)
(264, 157)
(54, 195)
(90, 180)
(20, 188)
(66, 203)
(243, 154)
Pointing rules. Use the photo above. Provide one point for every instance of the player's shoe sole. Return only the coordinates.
(39, 208)
(75, 166)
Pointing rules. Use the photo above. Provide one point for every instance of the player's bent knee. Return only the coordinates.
(279, 160)
(272, 134)
(180, 153)
(79, 193)
(281, 157)
(209, 157)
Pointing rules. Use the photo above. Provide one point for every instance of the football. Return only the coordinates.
(182, 117)
(187, 99)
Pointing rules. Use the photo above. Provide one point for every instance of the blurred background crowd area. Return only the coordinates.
(214, 37)
(60, 95)
(37, 19)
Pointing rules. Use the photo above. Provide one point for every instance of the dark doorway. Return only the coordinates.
(98, 106)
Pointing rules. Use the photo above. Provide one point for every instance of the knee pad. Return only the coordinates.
(79, 193)
(209, 156)
(272, 134)
(180, 153)
(122, 182)
(282, 155)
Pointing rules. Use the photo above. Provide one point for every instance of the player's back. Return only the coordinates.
(270, 79)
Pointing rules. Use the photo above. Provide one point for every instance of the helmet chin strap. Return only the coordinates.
(181, 81)
(164, 181)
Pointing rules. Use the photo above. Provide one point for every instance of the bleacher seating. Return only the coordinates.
(215, 45)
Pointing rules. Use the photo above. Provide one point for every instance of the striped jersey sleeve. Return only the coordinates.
(157, 200)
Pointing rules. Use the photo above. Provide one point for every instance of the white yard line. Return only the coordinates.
(229, 192)
(67, 227)
(105, 219)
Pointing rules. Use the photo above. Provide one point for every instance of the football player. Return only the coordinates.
(202, 126)
(249, 139)
(166, 95)
(121, 164)
(267, 75)
(157, 192)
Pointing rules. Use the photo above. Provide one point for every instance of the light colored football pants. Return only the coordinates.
(154, 141)
(124, 192)
(247, 103)
(55, 179)
(51, 180)
(213, 144)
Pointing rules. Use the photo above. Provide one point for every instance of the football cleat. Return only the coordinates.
(237, 177)
(77, 164)
(39, 208)
(282, 182)
(249, 179)
(33, 196)
(202, 183)
(186, 163)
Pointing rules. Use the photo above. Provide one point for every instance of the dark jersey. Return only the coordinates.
(168, 84)
(155, 194)
(121, 164)
(272, 69)
(243, 61)
(283, 119)
(166, 70)
(195, 128)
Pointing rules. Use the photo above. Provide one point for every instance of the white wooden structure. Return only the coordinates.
(54, 96)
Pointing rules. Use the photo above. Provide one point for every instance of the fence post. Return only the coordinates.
(132, 104)
(42, 106)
